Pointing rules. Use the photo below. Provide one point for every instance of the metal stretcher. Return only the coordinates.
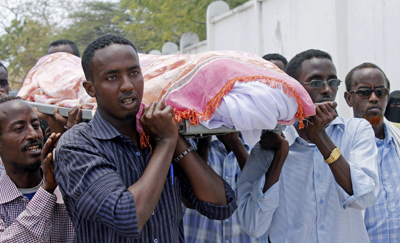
(184, 128)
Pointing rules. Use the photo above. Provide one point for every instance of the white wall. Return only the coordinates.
(352, 31)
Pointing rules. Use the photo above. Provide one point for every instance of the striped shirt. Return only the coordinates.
(198, 228)
(95, 165)
(382, 218)
(42, 219)
(307, 204)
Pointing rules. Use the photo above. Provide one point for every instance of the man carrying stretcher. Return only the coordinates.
(115, 191)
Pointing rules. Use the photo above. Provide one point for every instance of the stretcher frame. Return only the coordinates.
(184, 128)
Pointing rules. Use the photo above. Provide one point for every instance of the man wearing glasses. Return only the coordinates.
(367, 93)
(312, 184)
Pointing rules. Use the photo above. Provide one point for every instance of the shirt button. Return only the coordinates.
(226, 241)
(322, 226)
(155, 241)
(318, 175)
(138, 154)
(226, 177)
(321, 201)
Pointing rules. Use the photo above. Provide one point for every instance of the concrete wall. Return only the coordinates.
(352, 31)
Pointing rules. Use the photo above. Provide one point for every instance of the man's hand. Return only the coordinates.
(325, 114)
(230, 140)
(74, 117)
(158, 122)
(49, 181)
(233, 143)
(272, 141)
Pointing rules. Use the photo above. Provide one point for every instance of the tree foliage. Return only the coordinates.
(159, 21)
(22, 46)
(93, 19)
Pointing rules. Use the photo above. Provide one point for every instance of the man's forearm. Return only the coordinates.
(147, 190)
(207, 185)
(340, 168)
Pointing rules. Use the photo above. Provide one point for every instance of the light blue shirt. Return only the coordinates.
(306, 204)
(200, 229)
(382, 218)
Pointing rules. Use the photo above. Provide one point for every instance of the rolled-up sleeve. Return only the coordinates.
(94, 189)
(256, 209)
(362, 159)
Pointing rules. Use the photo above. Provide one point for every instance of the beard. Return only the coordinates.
(23, 168)
(374, 120)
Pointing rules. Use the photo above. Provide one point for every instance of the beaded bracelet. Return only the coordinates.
(179, 157)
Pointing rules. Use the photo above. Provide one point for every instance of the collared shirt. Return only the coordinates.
(199, 228)
(307, 204)
(95, 165)
(42, 219)
(382, 218)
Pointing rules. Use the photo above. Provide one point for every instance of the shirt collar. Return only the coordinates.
(102, 129)
(9, 191)
(388, 136)
(291, 133)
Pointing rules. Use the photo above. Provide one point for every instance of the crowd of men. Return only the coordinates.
(335, 180)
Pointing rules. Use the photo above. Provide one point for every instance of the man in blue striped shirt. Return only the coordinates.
(114, 191)
(367, 93)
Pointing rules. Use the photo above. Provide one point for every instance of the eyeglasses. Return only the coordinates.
(365, 93)
(333, 83)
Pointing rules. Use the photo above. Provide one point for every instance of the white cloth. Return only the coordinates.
(259, 115)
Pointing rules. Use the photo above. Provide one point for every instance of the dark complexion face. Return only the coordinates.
(4, 85)
(373, 106)
(319, 69)
(117, 82)
(279, 64)
(60, 48)
(21, 137)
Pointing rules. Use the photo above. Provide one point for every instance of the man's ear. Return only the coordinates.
(347, 97)
(89, 87)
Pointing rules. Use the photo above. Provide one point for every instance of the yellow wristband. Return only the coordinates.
(335, 154)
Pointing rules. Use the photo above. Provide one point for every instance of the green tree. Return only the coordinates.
(22, 45)
(156, 22)
(93, 19)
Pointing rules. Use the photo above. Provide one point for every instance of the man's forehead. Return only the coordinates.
(318, 64)
(114, 57)
(14, 108)
(111, 51)
(369, 76)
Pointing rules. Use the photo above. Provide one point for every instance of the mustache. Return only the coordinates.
(32, 143)
(128, 95)
(374, 106)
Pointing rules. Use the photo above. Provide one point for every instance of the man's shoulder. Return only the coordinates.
(353, 124)
(77, 134)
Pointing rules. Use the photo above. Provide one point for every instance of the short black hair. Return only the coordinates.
(9, 98)
(349, 76)
(275, 56)
(66, 42)
(2, 65)
(293, 68)
(100, 43)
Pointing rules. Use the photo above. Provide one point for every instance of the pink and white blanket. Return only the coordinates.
(214, 88)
